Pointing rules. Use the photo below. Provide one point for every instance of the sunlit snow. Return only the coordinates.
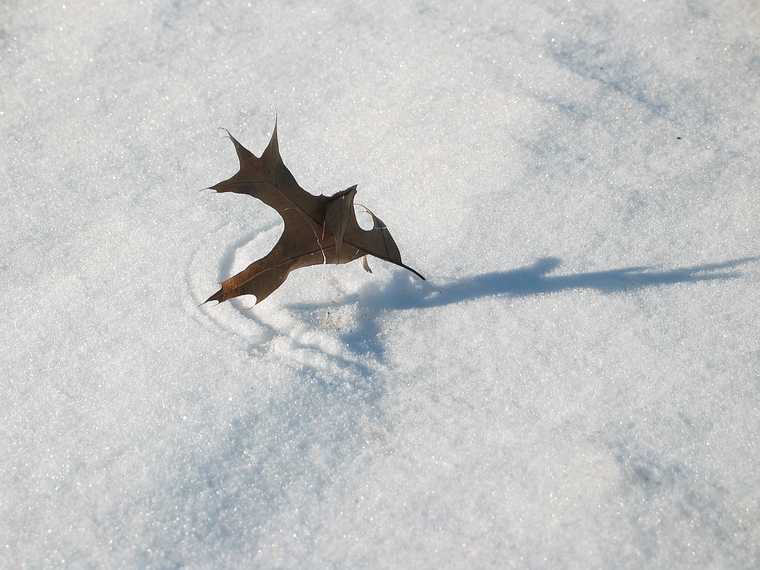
(577, 384)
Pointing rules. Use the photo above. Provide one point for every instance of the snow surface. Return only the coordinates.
(576, 386)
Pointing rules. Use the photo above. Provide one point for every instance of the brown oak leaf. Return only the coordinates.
(318, 229)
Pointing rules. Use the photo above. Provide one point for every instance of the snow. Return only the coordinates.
(577, 384)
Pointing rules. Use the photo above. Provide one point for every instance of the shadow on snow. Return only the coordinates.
(403, 292)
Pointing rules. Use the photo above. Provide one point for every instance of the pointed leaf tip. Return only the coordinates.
(273, 138)
(218, 296)
(417, 273)
(229, 135)
(272, 151)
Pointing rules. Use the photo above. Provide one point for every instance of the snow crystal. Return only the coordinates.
(576, 384)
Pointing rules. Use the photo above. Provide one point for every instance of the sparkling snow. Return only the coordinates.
(577, 385)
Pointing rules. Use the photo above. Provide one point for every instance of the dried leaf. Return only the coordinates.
(318, 229)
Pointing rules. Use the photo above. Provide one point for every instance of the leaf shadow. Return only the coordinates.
(404, 293)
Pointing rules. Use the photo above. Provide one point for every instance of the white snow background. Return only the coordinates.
(577, 384)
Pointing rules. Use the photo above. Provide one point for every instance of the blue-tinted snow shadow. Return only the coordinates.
(535, 280)
(403, 292)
